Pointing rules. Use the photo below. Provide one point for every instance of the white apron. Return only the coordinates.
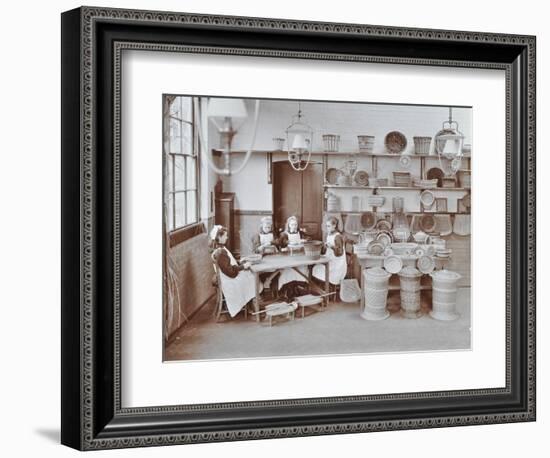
(337, 265)
(288, 275)
(266, 239)
(239, 290)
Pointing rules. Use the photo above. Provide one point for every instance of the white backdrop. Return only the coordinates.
(146, 76)
(30, 259)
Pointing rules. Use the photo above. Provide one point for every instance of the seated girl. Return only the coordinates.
(334, 249)
(264, 241)
(292, 235)
(237, 282)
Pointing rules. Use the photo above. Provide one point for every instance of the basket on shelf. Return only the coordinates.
(331, 142)
(366, 143)
(333, 203)
(312, 249)
(278, 143)
(376, 201)
(425, 184)
(448, 182)
(401, 179)
(378, 182)
(464, 178)
(422, 145)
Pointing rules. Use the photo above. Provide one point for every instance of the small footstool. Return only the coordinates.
(279, 309)
(309, 300)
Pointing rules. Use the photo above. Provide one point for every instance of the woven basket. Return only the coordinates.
(331, 142)
(312, 249)
(464, 178)
(422, 145)
(402, 179)
(366, 143)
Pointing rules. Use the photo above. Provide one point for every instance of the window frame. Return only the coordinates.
(171, 189)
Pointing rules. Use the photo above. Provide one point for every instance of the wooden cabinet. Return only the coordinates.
(225, 215)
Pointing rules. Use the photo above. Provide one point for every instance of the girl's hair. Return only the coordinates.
(266, 219)
(289, 219)
(213, 243)
(333, 220)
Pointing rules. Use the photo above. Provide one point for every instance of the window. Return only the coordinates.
(182, 166)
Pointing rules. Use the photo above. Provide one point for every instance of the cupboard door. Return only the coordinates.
(287, 193)
(312, 200)
(299, 194)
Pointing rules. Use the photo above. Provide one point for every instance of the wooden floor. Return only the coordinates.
(338, 330)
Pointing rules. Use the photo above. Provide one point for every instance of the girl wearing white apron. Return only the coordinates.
(291, 236)
(334, 250)
(264, 240)
(237, 283)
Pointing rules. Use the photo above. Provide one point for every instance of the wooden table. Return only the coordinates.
(278, 262)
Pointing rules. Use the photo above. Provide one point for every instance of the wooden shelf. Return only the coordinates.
(394, 188)
(341, 153)
(334, 186)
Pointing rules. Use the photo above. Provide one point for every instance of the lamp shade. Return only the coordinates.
(299, 143)
(226, 108)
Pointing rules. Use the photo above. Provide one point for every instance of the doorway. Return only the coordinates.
(299, 194)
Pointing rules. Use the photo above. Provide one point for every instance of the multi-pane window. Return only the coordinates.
(182, 166)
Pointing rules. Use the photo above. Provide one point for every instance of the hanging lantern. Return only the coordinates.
(299, 140)
(449, 141)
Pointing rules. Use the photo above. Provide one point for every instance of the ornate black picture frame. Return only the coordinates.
(92, 42)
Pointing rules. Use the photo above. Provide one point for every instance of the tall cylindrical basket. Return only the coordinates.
(409, 278)
(444, 287)
(376, 294)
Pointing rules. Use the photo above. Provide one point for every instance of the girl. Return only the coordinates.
(292, 235)
(264, 241)
(237, 282)
(334, 249)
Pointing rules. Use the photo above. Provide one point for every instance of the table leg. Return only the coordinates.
(327, 283)
(257, 295)
(362, 290)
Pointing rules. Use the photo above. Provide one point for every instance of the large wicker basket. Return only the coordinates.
(422, 145)
(312, 249)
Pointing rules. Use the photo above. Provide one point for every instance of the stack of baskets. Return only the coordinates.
(402, 179)
(366, 143)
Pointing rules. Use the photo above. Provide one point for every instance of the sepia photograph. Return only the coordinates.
(299, 228)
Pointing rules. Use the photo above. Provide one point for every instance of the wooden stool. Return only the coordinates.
(309, 300)
(280, 309)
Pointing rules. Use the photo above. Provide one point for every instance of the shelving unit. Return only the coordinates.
(423, 158)
(416, 188)
(374, 159)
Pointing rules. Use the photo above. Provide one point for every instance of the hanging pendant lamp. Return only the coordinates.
(299, 141)
(449, 140)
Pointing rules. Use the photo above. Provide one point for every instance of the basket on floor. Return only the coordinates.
(350, 290)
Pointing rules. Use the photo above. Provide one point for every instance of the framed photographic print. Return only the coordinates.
(278, 228)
